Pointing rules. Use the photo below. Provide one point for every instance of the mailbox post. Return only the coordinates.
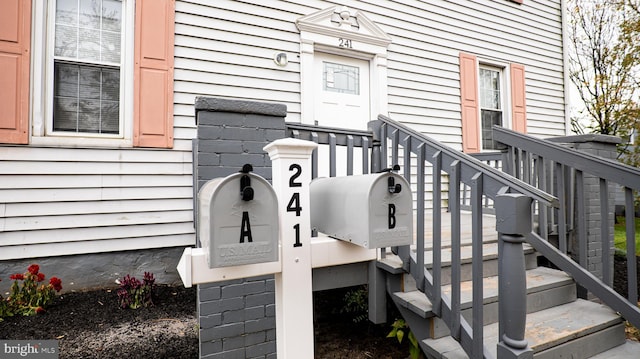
(294, 300)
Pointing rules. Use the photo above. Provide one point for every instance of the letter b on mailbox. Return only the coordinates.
(238, 220)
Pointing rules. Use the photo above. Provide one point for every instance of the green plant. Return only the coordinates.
(399, 330)
(28, 295)
(135, 294)
(356, 303)
(620, 235)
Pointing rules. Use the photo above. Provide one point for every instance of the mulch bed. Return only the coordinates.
(90, 325)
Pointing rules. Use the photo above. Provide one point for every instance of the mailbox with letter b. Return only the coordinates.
(238, 220)
(373, 210)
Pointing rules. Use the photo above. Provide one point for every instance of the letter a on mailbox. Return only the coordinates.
(238, 220)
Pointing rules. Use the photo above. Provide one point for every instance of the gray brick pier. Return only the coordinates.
(237, 317)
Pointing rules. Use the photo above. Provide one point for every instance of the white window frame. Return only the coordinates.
(505, 96)
(41, 109)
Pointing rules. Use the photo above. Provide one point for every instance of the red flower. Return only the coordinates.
(56, 283)
(40, 277)
(34, 269)
(40, 310)
(17, 276)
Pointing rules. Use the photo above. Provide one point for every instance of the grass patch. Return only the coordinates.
(620, 235)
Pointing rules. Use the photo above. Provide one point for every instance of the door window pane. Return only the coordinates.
(341, 78)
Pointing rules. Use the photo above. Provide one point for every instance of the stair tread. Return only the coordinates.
(630, 349)
(544, 329)
(415, 301)
(538, 279)
(489, 251)
(392, 262)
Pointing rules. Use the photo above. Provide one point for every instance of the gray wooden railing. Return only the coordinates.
(511, 197)
(477, 185)
(491, 159)
(354, 141)
(562, 171)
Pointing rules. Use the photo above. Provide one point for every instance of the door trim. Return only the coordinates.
(340, 31)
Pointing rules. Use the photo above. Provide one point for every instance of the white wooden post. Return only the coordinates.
(291, 166)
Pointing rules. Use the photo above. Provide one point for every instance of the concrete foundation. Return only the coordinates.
(99, 270)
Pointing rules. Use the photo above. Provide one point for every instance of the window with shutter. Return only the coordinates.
(484, 91)
(87, 70)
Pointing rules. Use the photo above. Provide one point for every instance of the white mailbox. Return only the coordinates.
(372, 211)
(238, 220)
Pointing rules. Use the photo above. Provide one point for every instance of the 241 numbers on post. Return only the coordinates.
(294, 202)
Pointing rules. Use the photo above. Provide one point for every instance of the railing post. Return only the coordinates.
(374, 127)
(513, 221)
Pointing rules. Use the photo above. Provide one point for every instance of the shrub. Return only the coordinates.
(28, 294)
(356, 303)
(133, 293)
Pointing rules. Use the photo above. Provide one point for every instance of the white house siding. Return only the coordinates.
(226, 48)
(57, 201)
(61, 201)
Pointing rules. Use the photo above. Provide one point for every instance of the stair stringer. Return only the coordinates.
(421, 327)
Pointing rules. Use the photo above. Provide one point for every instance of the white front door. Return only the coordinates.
(341, 92)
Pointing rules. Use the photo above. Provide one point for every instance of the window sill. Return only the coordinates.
(81, 142)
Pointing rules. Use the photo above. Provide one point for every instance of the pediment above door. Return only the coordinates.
(345, 23)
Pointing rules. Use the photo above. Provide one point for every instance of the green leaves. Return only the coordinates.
(398, 331)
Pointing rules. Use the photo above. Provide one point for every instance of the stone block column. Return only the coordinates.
(237, 318)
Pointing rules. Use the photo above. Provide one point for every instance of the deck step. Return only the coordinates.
(629, 349)
(579, 329)
(393, 265)
(489, 256)
(546, 288)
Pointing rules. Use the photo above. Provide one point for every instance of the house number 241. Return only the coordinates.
(345, 43)
(294, 202)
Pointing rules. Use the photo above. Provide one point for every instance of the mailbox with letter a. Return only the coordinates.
(238, 220)
(373, 210)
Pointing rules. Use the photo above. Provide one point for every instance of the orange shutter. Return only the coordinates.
(469, 102)
(153, 73)
(518, 99)
(15, 42)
